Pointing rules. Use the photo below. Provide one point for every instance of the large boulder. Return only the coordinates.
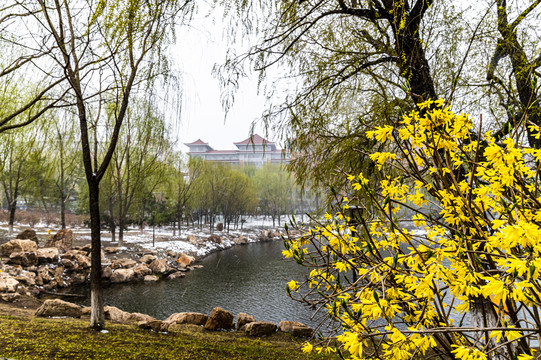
(111, 250)
(8, 284)
(123, 263)
(220, 226)
(106, 272)
(260, 328)
(62, 240)
(215, 238)
(57, 307)
(47, 255)
(27, 277)
(147, 259)
(295, 328)
(18, 245)
(122, 276)
(23, 258)
(141, 271)
(115, 314)
(187, 318)
(28, 234)
(184, 260)
(156, 325)
(243, 319)
(83, 261)
(219, 319)
(160, 266)
(140, 317)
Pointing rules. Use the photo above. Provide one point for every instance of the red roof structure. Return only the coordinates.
(255, 139)
(197, 142)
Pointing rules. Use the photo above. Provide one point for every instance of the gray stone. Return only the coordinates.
(260, 328)
(219, 319)
(243, 319)
(47, 255)
(147, 259)
(295, 328)
(63, 240)
(57, 307)
(24, 258)
(18, 245)
(122, 276)
(187, 318)
(28, 234)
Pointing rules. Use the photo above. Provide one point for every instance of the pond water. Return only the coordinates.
(250, 279)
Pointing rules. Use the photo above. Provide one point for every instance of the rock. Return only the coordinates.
(28, 234)
(241, 240)
(44, 274)
(106, 272)
(140, 317)
(171, 253)
(10, 297)
(243, 319)
(147, 259)
(295, 328)
(59, 307)
(61, 281)
(79, 278)
(155, 325)
(47, 255)
(115, 314)
(260, 328)
(215, 238)
(184, 259)
(8, 284)
(26, 258)
(87, 310)
(141, 270)
(62, 240)
(220, 226)
(192, 239)
(151, 278)
(72, 254)
(122, 276)
(70, 264)
(111, 250)
(176, 275)
(83, 261)
(123, 263)
(187, 318)
(18, 245)
(27, 278)
(87, 248)
(219, 319)
(160, 266)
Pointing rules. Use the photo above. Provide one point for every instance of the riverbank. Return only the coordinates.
(25, 336)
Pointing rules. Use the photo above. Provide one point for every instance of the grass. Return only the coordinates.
(28, 337)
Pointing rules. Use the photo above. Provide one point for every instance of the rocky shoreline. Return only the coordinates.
(26, 268)
(218, 319)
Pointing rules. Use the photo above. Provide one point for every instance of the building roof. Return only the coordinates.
(197, 142)
(255, 139)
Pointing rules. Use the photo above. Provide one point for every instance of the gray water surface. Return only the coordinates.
(250, 279)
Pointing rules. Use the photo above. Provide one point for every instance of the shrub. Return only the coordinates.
(463, 281)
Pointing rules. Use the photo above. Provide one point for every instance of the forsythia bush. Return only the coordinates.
(459, 278)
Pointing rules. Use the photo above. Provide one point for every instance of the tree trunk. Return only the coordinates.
(12, 209)
(97, 315)
(62, 210)
(121, 222)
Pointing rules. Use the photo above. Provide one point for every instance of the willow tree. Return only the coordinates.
(107, 50)
(354, 64)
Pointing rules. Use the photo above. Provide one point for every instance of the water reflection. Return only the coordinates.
(249, 279)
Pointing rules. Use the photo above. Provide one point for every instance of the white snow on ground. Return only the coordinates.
(163, 236)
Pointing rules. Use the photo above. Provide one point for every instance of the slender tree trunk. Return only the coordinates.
(121, 223)
(97, 315)
(12, 209)
(62, 209)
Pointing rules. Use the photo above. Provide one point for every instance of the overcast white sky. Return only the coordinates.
(198, 49)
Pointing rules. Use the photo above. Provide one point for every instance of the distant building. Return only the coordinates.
(254, 150)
